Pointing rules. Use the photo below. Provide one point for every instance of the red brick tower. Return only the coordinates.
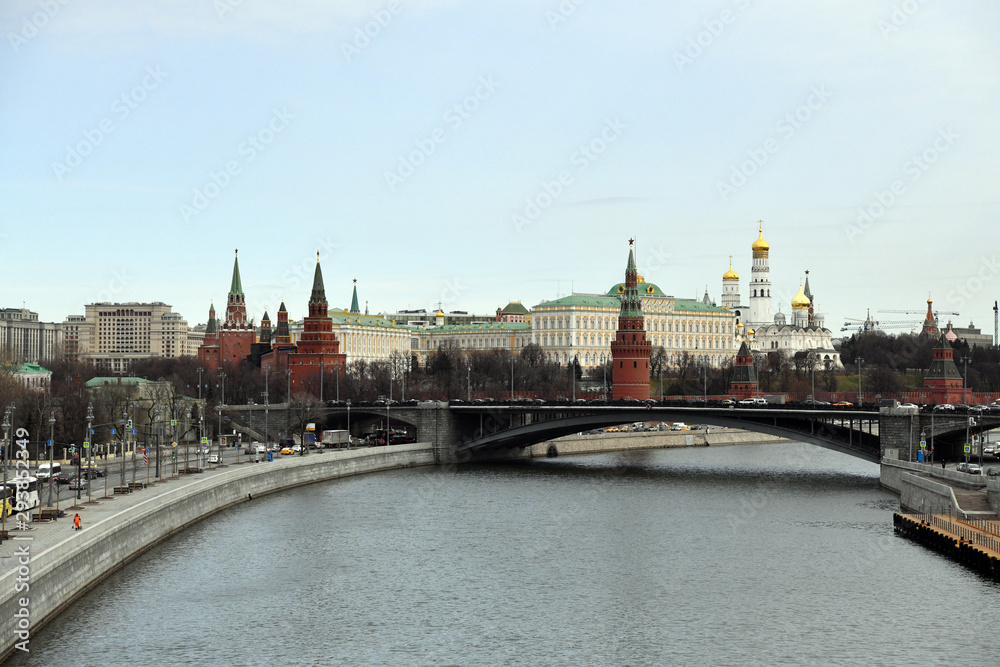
(208, 352)
(237, 333)
(943, 379)
(317, 346)
(630, 348)
(744, 384)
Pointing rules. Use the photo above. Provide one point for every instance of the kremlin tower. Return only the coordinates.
(744, 384)
(232, 340)
(630, 348)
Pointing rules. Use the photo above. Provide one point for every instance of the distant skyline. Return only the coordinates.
(474, 153)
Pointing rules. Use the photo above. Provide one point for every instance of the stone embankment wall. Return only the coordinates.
(615, 442)
(59, 573)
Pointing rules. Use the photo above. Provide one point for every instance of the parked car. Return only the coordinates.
(287, 450)
(993, 471)
(945, 406)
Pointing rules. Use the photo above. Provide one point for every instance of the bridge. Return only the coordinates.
(470, 431)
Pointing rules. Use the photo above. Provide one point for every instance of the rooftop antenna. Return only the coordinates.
(996, 321)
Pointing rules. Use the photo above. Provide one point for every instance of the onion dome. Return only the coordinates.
(800, 300)
(730, 274)
(760, 245)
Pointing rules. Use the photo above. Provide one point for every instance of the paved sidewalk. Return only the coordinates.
(45, 534)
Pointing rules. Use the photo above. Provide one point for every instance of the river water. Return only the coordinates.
(749, 555)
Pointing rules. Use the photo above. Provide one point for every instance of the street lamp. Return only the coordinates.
(965, 380)
(200, 369)
(968, 422)
(52, 438)
(124, 445)
(218, 409)
(6, 448)
(88, 446)
(812, 369)
(923, 444)
(861, 399)
(468, 380)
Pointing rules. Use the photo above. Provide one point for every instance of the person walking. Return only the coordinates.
(76, 521)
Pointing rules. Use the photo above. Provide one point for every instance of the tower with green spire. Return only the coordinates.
(630, 348)
(317, 354)
(355, 308)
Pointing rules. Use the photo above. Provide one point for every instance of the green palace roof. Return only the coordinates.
(343, 317)
(32, 368)
(481, 326)
(696, 306)
(645, 289)
(515, 308)
(124, 380)
(583, 301)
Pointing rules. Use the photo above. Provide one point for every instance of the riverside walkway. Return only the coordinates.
(48, 565)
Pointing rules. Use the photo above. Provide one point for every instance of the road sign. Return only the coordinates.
(204, 441)
(113, 431)
(222, 439)
(923, 443)
(133, 431)
(173, 444)
(968, 449)
(86, 444)
(173, 422)
(50, 443)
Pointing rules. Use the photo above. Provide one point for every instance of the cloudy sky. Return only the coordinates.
(477, 152)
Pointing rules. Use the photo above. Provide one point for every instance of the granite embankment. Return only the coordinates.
(48, 566)
(612, 442)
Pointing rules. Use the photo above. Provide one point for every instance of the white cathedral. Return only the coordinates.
(766, 333)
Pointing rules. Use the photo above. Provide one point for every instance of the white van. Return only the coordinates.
(45, 472)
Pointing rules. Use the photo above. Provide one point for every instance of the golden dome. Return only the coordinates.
(730, 274)
(639, 278)
(800, 300)
(760, 245)
(440, 313)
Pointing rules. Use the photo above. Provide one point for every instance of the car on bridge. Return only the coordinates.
(993, 471)
(947, 407)
(751, 402)
(843, 404)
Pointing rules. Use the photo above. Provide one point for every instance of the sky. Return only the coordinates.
(476, 152)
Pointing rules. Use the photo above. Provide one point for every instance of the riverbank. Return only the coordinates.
(602, 443)
(48, 566)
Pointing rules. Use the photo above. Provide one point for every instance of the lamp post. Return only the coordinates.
(288, 389)
(337, 377)
(965, 380)
(932, 435)
(218, 409)
(88, 446)
(159, 428)
(251, 404)
(267, 435)
(923, 443)
(321, 364)
(52, 439)
(200, 369)
(124, 445)
(348, 423)
(968, 422)
(222, 378)
(468, 380)
(812, 369)
(6, 442)
(187, 436)
(861, 399)
(201, 433)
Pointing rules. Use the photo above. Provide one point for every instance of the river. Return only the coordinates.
(747, 555)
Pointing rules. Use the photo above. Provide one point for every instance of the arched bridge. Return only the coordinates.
(468, 430)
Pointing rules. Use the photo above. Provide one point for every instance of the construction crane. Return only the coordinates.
(868, 324)
(996, 322)
(860, 326)
(937, 313)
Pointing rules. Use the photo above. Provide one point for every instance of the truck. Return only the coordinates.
(336, 439)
